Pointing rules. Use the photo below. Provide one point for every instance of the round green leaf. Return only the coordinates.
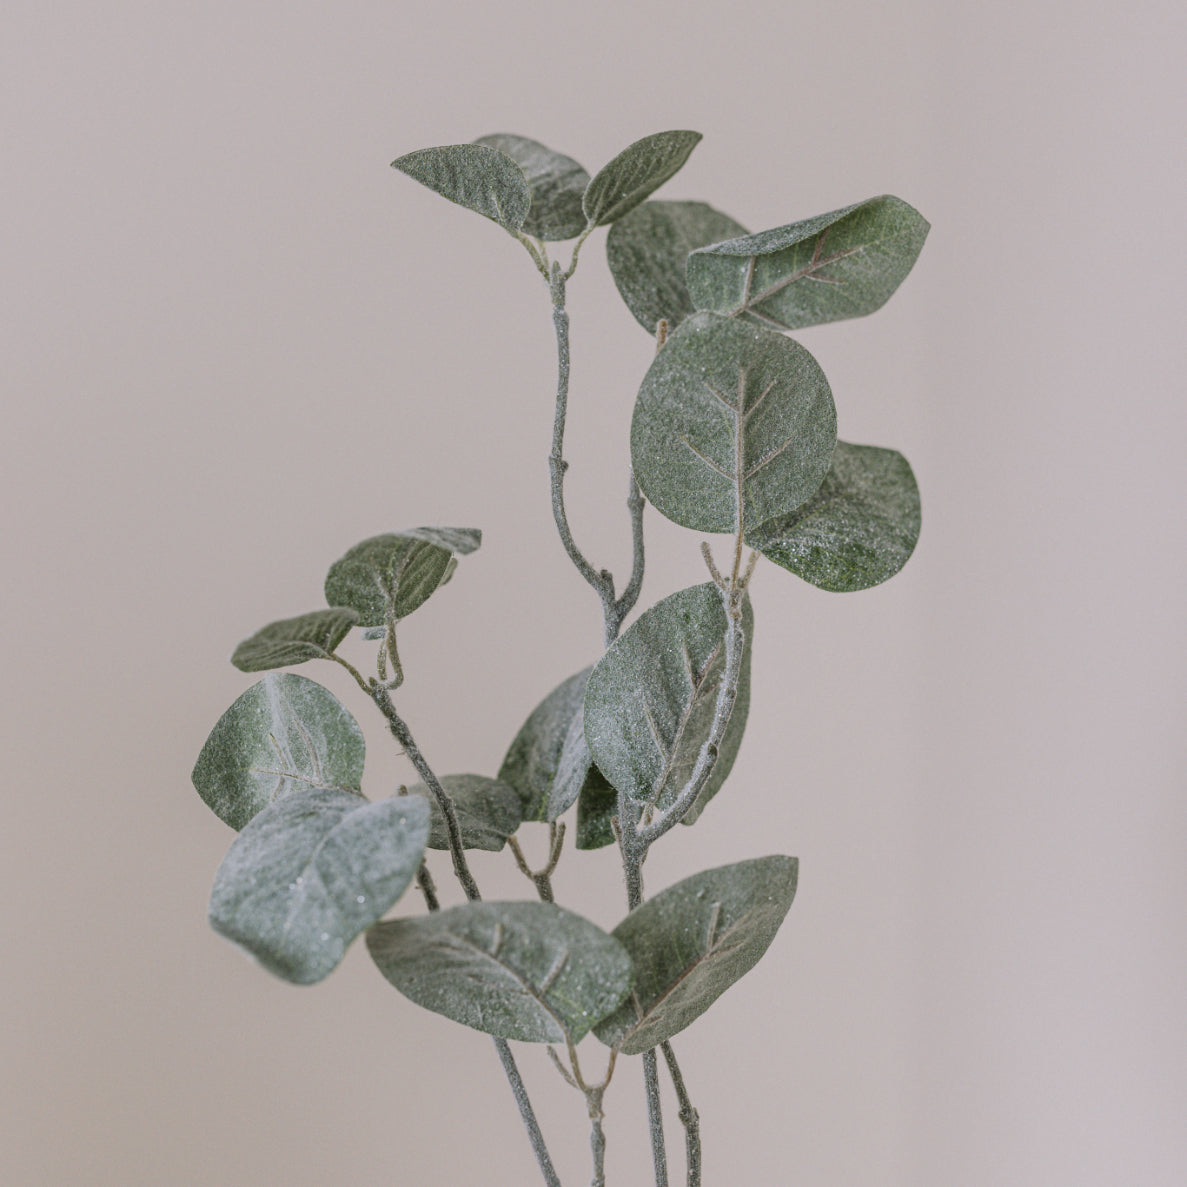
(294, 640)
(691, 942)
(312, 872)
(475, 176)
(635, 174)
(647, 251)
(398, 569)
(283, 735)
(528, 971)
(843, 264)
(858, 530)
(731, 417)
(650, 701)
(487, 811)
(556, 182)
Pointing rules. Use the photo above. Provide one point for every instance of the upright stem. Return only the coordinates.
(526, 1113)
(689, 1117)
(655, 1118)
(597, 1139)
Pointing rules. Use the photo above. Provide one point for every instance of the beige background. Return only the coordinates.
(235, 342)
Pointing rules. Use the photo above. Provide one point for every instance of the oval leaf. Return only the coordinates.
(858, 530)
(731, 418)
(398, 569)
(294, 640)
(647, 251)
(635, 174)
(528, 971)
(556, 183)
(547, 761)
(691, 942)
(843, 264)
(487, 811)
(475, 176)
(283, 735)
(651, 698)
(311, 873)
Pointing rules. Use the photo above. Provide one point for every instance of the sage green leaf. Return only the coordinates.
(691, 942)
(283, 735)
(731, 418)
(650, 701)
(475, 176)
(635, 174)
(294, 640)
(647, 251)
(556, 183)
(596, 807)
(487, 811)
(312, 872)
(528, 971)
(547, 761)
(843, 264)
(858, 530)
(399, 569)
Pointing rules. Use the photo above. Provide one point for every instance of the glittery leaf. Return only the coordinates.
(475, 176)
(528, 971)
(487, 811)
(294, 640)
(635, 174)
(556, 183)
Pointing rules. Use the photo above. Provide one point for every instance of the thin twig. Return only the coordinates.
(428, 887)
(542, 879)
(689, 1117)
(630, 595)
(655, 1119)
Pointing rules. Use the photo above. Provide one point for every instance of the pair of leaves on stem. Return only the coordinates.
(538, 973)
(529, 189)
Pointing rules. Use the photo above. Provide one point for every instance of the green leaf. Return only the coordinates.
(858, 530)
(647, 251)
(400, 569)
(635, 174)
(312, 872)
(475, 176)
(528, 971)
(596, 807)
(294, 640)
(547, 762)
(487, 811)
(283, 735)
(556, 183)
(651, 698)
(691, 942)
(731, 414)
(843, 264)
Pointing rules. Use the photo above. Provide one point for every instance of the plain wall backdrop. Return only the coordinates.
(233, 342)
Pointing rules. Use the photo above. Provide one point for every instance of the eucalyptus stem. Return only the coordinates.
(689, 1117)
(655, 1118)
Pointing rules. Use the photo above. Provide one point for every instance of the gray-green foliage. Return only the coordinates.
(647, 251)
(313, 871)
(556, 182)
(488, 811)
(651, 698)
(476, 176)
(395, 573)
(691, 942)
(284, 734)
(295, 640)
(635, 174)
(731, 416)
(528, 971)
(857, 530)
(843, 264)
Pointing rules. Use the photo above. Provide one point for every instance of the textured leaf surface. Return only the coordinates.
(311, 873)
(487, 811)
(400, 568)
(647, 251)
(556, 182)
(475, 176)
(284, 734)
(548, 761)
(731, 413)
(635, 174)
(843, 264)
(691, 942)
(860, 527)
(294, 640)
(596, 807)
(528, 971)
(650, 701)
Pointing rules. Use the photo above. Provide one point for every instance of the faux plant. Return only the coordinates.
(735, 433)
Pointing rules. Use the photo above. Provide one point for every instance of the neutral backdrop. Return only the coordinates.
(234, 342)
